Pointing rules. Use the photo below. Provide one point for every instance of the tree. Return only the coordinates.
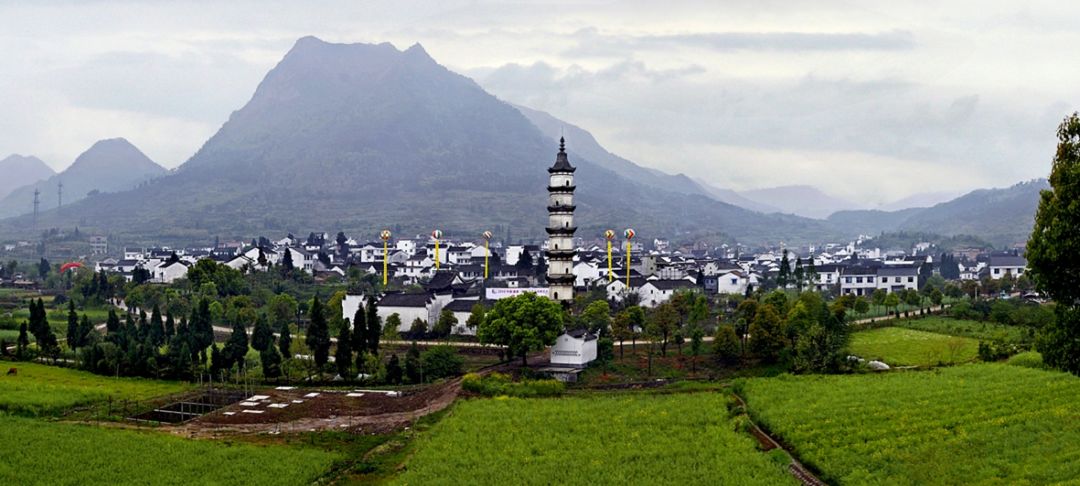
(394, 371)
(392, 327)
(236, 347)
(878, 297)
(637, 324)
(476, 316)
(620, 329)
(936, 297)
(72, 327)
(783, 278)
(281, 310)
(170, 326)
(157, 327)
(112, 323)
(892, 301)
(861, 305)
(86, 329)
(318, 334)
(23, 341)
(418, 328)
(663, 322)
(726, 345)
(287, 265)
(799, 274)
(697, 336)
(597, 317)
(1052, 251)
(343, 353)
(285, 342)
(359, 334)
(522, 323)
(262, 337)
(440, 362)
(445, 325)
(525, 261)
(767, 334)
(413, 372)
(271, 362)
(374, 326)
(43, 268)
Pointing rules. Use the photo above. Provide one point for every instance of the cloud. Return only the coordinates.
(592, 42)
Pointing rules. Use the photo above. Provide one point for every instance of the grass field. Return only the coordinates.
(46, 390)
(907, 347)
(971, 424)
(627, 439)
(50, 453)
(983, 331)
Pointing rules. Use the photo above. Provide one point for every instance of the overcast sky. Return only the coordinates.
(868, 103)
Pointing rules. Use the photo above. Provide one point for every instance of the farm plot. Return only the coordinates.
(983, 331)
(39, 389)
(643, 439)
(971, 424)
(907, 347)
(50, 453)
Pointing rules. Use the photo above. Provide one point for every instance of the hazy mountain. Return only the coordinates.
(1002, 216)
(806, 201)
(107, 166)
(920, 200)
(361, 137)
(586, 146)
(732, 197)
(19, 170)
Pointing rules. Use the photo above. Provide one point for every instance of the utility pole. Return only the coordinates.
(37, 202)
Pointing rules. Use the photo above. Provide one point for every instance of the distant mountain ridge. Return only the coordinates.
(19, 170)
(1004, 216)
(802, 200)
(108, 165)
(361, 137)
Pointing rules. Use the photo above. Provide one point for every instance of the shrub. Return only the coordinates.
(498, 384)
(1029, 359)
(441, 362)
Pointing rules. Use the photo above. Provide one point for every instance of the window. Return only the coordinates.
(847, 279)
(858, 279)
(870, 279)
(997, 271)
(734, 281)
(910, 279)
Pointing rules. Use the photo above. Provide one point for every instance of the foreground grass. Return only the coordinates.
(983, 331)
(50, 453)
(47, 390)
(972, 424)
(626, 439)
(906, 347)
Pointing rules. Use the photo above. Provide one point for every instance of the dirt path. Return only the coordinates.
(796, 468)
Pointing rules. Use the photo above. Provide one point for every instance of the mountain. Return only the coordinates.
(920, 200)
(1002, 216)
(806, 201)
(21, 170)
(361, 137)
(107, 166)
(732, 197)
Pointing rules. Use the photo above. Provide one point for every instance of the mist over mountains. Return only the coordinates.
(19, 170)
(361, 137)
(107, 166)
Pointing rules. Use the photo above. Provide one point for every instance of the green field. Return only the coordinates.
(907, 347)
(49, 453)
(625, 439)
(983, 331)
(971, 424)
(46, 390)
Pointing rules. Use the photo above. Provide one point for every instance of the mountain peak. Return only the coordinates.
(20, 170)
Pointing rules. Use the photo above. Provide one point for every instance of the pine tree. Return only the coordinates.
(72, 327)
(782, 278)
(157, 328)
(359, 334)
(285, 342)
(374, 327)
(343, 353)
(413, 372)
(271, 362)
(23, 342)
(799, 275)
(85, 329)
(112, 325)
(393, 370)
(261, 337)
(318, 336)
(236, 347)
(217, 362)
(170, 326)
(287, 262)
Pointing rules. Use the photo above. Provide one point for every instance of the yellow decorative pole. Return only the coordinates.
(487, 252)
(437, 235)
(385, 235)
(629, 236)
(609, 235)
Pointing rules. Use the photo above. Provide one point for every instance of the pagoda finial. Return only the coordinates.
(562, 145)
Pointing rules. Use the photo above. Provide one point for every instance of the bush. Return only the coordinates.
(498, 384)
(441, 362)
(1029, 359)
(995, 351)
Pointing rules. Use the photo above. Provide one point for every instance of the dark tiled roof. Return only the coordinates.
(581, 333)
(898, 271)
(405, 300)
(460, 305)
(671, 284)
(1007, 261)
(562, 164)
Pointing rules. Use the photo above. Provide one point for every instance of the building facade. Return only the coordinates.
(560, 229)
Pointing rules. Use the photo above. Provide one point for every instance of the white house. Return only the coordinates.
(462, 309)
(858, 280)
(170, 272)
(408, 307)
(828, 275)
(896, 278)
(1002, 265)
(575, 349)
(732, 282)
(656, 292)
(585, 273)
